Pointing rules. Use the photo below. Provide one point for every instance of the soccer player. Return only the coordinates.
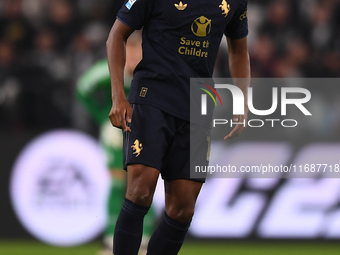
(180, 41)
(93, 92)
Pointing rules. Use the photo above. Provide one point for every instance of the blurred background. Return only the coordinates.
(46, 45)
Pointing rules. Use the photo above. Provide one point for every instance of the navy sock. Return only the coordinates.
(129, 228)
(168, 237)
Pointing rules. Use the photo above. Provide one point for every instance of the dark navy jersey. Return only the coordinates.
(180, 41)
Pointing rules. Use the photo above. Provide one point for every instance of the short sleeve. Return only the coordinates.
(135, 13)
(238, 26)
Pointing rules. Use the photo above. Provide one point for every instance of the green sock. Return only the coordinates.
(116, 197)
(149, 222)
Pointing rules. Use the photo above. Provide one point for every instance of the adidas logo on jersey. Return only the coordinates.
(181, 6)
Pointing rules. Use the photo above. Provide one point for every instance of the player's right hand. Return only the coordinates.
(121, 114)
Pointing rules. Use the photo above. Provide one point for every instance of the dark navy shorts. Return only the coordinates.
(162, 141)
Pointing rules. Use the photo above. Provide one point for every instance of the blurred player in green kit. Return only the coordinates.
(94, 93)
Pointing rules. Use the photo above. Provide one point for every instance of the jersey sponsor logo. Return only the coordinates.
(137, 147)
(193, 47)
(225, 8)
(130, 3)
(244, 15)
(143, 92)
(201, 26)
(181, 6)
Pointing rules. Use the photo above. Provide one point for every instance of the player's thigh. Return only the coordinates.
(141, 183)
(180, 198)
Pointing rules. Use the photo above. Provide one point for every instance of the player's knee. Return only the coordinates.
(141, 196)
(182, 214)
(141, 184)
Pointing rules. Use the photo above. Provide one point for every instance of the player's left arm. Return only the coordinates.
(239, 65)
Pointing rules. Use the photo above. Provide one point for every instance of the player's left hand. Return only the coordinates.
(239, 128)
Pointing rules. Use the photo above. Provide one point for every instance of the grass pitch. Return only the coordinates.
(190, 248)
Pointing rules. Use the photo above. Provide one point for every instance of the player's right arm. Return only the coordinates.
(239, 65)
(121, 111)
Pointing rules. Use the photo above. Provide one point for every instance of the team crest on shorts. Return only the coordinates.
(225, 8)
(137, 147)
